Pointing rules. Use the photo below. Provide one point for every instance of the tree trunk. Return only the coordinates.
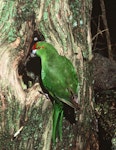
(26, 114)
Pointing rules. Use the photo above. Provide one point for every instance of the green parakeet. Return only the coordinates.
(59, 79)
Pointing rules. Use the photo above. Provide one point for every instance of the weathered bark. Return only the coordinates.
(65, 25)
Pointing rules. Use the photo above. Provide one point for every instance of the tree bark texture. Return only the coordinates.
(26, 114)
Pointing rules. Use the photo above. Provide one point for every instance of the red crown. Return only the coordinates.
(34, 46)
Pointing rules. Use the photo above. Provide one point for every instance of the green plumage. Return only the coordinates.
(60, 80)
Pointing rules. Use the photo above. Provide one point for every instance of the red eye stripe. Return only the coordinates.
(36, 47)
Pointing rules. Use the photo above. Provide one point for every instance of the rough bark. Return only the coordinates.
(26, 114)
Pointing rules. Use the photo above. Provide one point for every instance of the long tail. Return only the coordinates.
(57, 121)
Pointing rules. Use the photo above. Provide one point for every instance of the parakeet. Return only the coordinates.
(59, 78)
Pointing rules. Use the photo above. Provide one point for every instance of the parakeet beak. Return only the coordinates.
(33, 53)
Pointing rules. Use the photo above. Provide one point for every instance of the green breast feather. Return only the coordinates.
(60, 80)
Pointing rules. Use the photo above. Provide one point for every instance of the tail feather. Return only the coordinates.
(60, 125)
(57, 121)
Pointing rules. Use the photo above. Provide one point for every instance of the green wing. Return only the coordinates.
(59, 78)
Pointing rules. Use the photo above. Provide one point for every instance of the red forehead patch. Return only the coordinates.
(34, 46)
